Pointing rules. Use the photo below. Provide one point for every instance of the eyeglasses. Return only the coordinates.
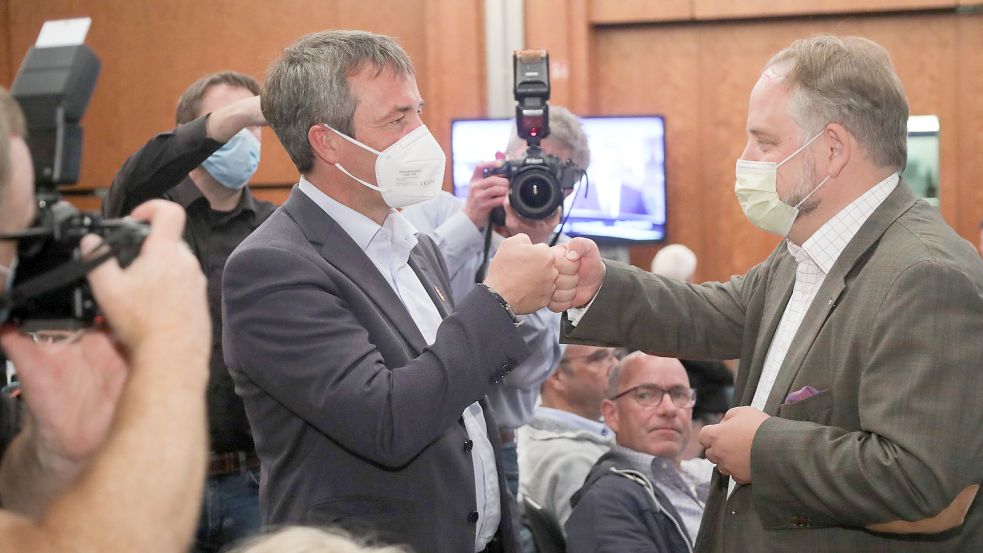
(650, 395)
(599, 356)
(56, 336)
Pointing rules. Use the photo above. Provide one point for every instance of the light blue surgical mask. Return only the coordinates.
(8, 284)
(234, 163)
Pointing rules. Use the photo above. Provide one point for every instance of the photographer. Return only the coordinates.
(204, 165)
(458, 229)
(85, 473)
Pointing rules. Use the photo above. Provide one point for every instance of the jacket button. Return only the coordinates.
(473, 517)
(468, 445)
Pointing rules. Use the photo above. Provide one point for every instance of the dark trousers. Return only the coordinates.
(229, 511)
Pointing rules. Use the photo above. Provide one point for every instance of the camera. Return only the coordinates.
(538, 181)
(53, 87)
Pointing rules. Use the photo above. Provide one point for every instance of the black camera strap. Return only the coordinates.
(479, 276)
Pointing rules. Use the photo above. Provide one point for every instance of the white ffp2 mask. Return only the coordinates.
(408, 172)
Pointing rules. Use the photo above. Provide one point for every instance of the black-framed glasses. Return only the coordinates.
(649, 395)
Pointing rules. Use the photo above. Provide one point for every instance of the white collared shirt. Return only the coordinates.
(814, 260)
(388, 247)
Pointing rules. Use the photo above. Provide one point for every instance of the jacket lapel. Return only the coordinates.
(421, 265)
(833, 287)
(338, 249)
(778, 292)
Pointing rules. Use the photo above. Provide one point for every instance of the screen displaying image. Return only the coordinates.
(623, 198)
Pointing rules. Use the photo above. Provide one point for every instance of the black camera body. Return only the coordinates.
(538, 181)
(53, 87)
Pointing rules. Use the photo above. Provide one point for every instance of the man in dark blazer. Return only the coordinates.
(363, 386)
(858, 420)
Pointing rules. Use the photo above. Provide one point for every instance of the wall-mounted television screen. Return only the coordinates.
(623, 198)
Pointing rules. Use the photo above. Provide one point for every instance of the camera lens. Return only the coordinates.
(534, 193)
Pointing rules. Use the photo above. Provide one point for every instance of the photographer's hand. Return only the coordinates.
(71, 389)
(484, 194)
(160, 297)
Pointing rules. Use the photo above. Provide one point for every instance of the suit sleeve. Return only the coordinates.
(642, 311)
(159, 166)
(291, 330)
(919, 411)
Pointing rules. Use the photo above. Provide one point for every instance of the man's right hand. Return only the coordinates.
(225, 122)
(484, 194)
(580, 274)
(160, 297)
(523, 273)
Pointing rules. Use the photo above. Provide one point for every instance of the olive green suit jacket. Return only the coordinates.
(894, 342)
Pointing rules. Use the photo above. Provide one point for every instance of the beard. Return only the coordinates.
(805, 182)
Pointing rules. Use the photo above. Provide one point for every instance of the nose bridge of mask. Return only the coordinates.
(800, 148)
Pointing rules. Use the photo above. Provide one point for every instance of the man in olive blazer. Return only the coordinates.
(868, 438)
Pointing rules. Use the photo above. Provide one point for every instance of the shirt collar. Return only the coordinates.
(574, 420)
(187, 194)
(364, 231)
(827, 243)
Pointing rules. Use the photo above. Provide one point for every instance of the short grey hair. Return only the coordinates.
(566, 129)
(850, 81)
(614, 375)
(308, 85)
(674, 261)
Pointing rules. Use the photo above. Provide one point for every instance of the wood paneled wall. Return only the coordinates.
(698, 72)
(693, 61)
(151, 51)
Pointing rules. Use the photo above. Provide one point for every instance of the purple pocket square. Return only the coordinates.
(805, 392)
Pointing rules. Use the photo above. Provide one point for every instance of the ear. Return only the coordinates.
(610, 415)
(841, 146)
(324, 143)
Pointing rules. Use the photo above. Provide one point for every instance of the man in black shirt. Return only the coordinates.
(204, 165)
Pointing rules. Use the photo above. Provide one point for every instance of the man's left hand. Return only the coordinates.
(728, 444)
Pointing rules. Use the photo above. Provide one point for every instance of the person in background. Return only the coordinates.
(203, 165)
(642, 496)
(84, 473)
(458, 229)
(675, 261)
(566, 436)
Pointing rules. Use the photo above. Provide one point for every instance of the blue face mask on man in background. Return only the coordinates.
(234, 163)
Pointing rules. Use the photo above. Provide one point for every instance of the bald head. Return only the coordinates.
(659, 428)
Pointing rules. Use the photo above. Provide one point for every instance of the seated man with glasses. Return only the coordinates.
(641, 496)
(566, 436)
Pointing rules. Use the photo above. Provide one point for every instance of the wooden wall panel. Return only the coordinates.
(150, 53)
(699, 76)
(634, 11)
(728, 9)
(6, 72)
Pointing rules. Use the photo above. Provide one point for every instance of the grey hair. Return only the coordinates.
(849, 81)
(308, 85)
(566, 129)
(614, 376)
(674, 261)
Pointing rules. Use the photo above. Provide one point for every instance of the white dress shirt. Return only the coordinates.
(388, 247)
